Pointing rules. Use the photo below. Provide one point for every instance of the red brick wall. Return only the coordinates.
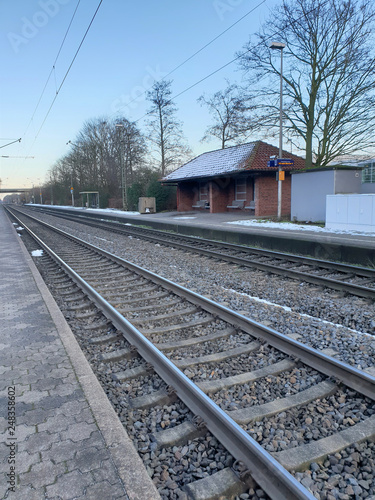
(187, 195)
(249, 190)
(266, 195)
(286, 195)
(220, 193)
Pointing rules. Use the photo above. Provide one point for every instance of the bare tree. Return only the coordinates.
(101, 155)
(165, 130)
(133, 146)
(230, 109)
(328, 76)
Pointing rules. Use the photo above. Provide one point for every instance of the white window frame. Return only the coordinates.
(241, 189)
(203, 191)
(368, 173)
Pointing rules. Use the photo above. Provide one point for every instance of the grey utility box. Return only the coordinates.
(146, 205)
(311, 187)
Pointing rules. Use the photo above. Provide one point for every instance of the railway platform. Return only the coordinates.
(60, 437)
(235, 222)
(233, 227)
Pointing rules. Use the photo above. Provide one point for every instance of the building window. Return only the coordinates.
(241, 189)
(368, 173)
(203, 192)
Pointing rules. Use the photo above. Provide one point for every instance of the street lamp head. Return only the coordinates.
(277, 45)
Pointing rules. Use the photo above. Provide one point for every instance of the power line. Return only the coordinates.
(201, 80)
(52, 69)
(214, 39)
(224, 65)
(173, 70)
(67, 72)
(197, 52)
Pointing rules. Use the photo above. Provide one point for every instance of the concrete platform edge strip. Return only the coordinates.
(302, 456)
(136, 481)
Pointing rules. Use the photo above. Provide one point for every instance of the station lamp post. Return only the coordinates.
(40, 191)
(32, 183)
(71, 175)
(280, 46)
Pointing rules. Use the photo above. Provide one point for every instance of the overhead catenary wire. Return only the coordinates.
(222, 67)
(67, 72)
(52, 69)
(200, 81)
(172, 71)
(197, 52)
(175, 69)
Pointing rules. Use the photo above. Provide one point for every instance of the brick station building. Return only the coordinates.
(234, 179)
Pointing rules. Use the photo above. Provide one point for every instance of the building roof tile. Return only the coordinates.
(252, 156)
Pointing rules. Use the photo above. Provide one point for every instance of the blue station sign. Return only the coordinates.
(281, 162)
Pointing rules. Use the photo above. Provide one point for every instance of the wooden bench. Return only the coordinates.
(237, 204)
(251, 205)
(201, 204)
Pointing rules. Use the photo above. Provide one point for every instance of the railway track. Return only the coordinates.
(205, 352)
(355, 280)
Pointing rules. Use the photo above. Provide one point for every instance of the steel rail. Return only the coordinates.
(276, 481)
(336, 284)
(299, 259)
(358, 380)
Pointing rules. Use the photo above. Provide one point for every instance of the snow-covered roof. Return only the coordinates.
(252, 156)
(221, 161)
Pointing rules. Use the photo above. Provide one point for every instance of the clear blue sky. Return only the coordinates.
(129, 45)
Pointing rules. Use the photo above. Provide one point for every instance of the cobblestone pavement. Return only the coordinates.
(54, 449)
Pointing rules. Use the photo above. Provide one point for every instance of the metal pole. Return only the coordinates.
(126, 181)
(71, 187)
(280, 184)
(122, 177)
(123, 173)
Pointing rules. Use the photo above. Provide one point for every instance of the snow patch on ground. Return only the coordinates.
(37, 253)
(96, 210)
(292, 227)
(184, 218)
(290, 310)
